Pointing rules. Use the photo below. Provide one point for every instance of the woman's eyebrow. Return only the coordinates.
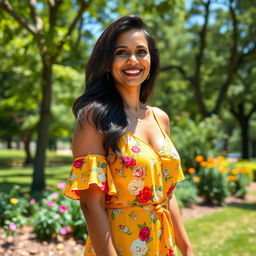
(124, 46)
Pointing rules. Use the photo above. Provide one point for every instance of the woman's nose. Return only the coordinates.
(132, 58)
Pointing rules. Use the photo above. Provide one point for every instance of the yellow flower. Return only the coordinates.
(191, 170)
(203, 163)
(220, 158)
(14, 200)
(241, 170)
(232, 178)
(199, 158)
(210, 160)
(211, 165)
(223, 170)
(234, 171)
(196, 179)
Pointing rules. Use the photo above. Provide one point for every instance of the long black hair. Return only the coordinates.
(101, 97)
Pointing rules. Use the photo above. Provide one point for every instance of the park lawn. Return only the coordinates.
(229, 232)
(22, 176)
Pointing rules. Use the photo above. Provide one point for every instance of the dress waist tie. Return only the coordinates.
(161, 209)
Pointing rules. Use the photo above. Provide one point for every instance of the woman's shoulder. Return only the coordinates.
(162, 117)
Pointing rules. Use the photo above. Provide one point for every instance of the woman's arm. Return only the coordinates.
(87, 140)
(181, 237)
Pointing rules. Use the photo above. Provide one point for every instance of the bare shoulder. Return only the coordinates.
(86, 138)
(163, 118)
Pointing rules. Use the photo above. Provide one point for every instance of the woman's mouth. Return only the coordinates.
(132, 71)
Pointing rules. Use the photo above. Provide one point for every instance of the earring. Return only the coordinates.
(148, 76)
(107, 74)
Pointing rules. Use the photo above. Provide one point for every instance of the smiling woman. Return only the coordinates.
(123, 173)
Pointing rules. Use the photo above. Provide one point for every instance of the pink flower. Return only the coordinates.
(108, 197)
(32, 201)
(128, 161)
(78, 163)
(144, 234)
(55, 195)
(138, 172)
(63, 231)
(50, 203)
(48, 187)
(63, 208)
(104, 186)
(57, 216)
(135, 149)
(12, 226)
(68, 228)
(61, 185)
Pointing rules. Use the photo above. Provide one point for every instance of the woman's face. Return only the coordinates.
(131, 63)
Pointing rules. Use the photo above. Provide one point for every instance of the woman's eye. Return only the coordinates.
(121, 52)
(142, 52)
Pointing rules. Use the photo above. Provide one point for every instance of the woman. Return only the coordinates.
(125, 167)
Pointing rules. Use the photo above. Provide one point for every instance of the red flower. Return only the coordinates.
(104, 186)
(78, 163)
(171, 189)
(108, 197)
(135, 149)
(128, 161)
(144, 234)
(171, 252)
(144, 195)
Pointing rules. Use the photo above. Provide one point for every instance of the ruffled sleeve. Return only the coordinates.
(90, 169)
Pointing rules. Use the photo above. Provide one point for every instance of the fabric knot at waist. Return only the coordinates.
(161, 209)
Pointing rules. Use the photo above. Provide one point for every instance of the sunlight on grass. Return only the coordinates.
(229, 232)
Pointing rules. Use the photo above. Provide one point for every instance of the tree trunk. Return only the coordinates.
(26, 140)
(43, 128)
(244, 124)
(9, 142)
(253, 144)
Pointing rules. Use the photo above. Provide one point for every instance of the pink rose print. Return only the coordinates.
(104, 186)
(78, 163)
(128, 161)
(171, 189)
(171, 253)
(144, 234)
(135, 149)
(138, 172)
(144, 195)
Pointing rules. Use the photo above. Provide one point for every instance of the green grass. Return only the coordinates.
(229, 232)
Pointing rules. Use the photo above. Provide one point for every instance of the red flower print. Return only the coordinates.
(144, 234)
(78, 163)
(144, 195)
(171, 189)
(108, 197)
(128, 161)
(104, 186)
(138, 172)
(135, 149)
(171, 253)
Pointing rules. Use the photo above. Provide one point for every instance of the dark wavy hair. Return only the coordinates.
(101, 100)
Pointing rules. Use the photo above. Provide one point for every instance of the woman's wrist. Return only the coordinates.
(187, 251)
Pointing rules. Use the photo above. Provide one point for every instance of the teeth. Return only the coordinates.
(132, 71)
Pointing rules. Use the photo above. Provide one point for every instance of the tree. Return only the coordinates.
(51, 33)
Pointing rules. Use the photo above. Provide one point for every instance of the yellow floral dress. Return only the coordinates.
(137, 191)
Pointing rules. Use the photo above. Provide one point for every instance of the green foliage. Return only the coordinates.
(213, 185)
(186, 193)
(195, 137)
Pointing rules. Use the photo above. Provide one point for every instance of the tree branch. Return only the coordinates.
(83, 7)
(37, 20)
(232, 64)
(6, 6)
(179, 68)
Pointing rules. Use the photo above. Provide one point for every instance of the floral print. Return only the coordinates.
(137, 189)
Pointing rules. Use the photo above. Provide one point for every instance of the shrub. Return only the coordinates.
(186, 193)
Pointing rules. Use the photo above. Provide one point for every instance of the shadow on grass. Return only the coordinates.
(245, 206)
